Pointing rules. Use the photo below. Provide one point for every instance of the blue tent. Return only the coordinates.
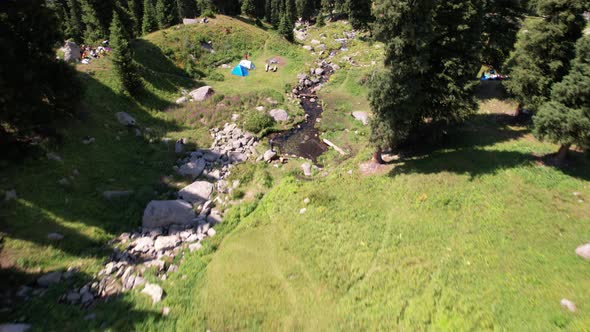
(240, 71)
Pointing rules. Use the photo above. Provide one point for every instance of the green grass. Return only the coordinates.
(473, 234)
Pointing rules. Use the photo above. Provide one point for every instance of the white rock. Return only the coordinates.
(143, 244)
(237, 157)
(306, 201)
(189, 21)
(55, 236)
(302, 211)
(270, 155)
(198, 192)
(202, 93)
(319, 71)
(154, 291)
(166, 242)
(279, 115)
(584, 251)
(71, 52)
(125, 119)
(181, 100)
(362, 117)
(166, 213)
(569, 305)
(192, 169)
(54, 157)
(165, 311)
(195, 246)
(211, 232)
(306, 169)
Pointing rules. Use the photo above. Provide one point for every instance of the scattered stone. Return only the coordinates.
(569, 305)
(116, 194)
(211, 232)
(179, 146)
(14, 327)
(189, 21)
(270, 155)
(198, 192)
(166, 242)
(308, 48)
(88, 140)
(195, 246)
(584, 251)
(181, 100)
(279, 115)
(10, 195)
(87, 297)
(125, 119)
(55, 236)
(165, 311)
(362, 117)
(202, 93)
(192, 169)
(306, 169)
(90, 316)
(49, 279)
(302, 211)
(143, 244)
(306, 201)
(166, 213)
(54, 157)
(319, 71)
(154, 291)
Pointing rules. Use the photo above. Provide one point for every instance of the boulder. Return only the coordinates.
(306, 169)
(54, 157)
(125, 119)
(72, 52)
(192, 169)
(142, 244)
(181, 100)
(166, 242)
(55, 236)
(319, 71)
(279, 115)
(308, 48)
(166, 213)
(198, 192)
(49, 279)
(270, 155)
(116, 194)
(154, 291)
(361, 116)
(179, 146)
(14, 327)
(237, 157)
(315, 42)
(584, 251)
(10, 195)
(189, 21)
(202, 93)
(195, 246)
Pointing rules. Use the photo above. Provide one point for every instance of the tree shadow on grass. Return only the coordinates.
(46, 310)
(251, 22)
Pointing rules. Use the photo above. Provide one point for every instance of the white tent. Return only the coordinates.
(247, 64)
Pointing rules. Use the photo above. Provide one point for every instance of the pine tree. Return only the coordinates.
(501, 26)
(249, 8)
(268, 11)
(166, 13)
(320, 21)
(149, 22)
(187, 8)
(35, 88)
(431, 53)
(542, 55)
(136, 12)
(93, 28)
(359, 13)
(276, 15)
(565, 119)
(291, 11)
(305, 9)
(122, 57)
(286, 27)
(75, 27)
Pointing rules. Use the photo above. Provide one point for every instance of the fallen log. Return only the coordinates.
(342, 152)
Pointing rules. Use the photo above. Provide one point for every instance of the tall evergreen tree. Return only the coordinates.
(565, 119)
(359, 13)
(275, 15)
(291, 11)
(268, 11)
(166, 13)
(136, 12)
(75, 27)
(187, 8)
(35, 88)
(249, 8)
(501, 26)
(431, 53)
(286, 26)
(93, 31)
(542, 55)
(149, 22)
(122, 57)
(305, 9)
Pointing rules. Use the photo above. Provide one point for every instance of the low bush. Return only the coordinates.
(256, 122)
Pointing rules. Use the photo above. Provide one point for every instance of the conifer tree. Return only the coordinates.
(187, 8)
(359, 13)
(286, 26)
(75, 27)
(268, 11)
(320, 21)
(431, 53)
(275, 13)
(291, 11)
(249, 8)
(93, 31)
(565, 119)
(501, 25)
(149, 22)
(166, 13)
(136, 12)
(542, 55)
(305, 9)
(122, 57)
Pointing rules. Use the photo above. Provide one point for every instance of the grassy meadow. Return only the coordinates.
(474, 233)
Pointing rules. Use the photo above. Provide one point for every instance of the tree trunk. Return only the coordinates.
(562, 154)
(377, 156)
(518, 111)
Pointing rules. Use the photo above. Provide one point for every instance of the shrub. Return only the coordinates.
(218, 77)
(208, 13)
(256, 121)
